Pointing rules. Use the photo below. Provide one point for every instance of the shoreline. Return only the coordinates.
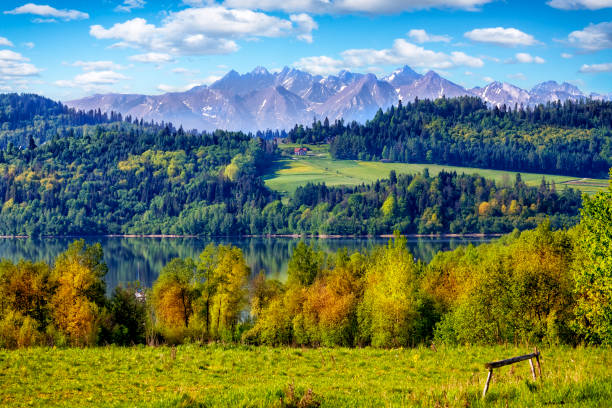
(294, 236)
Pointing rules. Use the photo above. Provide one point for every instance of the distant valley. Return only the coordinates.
(261, 100)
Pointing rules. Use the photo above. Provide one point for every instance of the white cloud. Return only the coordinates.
(596, 68)
(507, 37)
(402, 53)
(525, 58)
(488, 79)
(173, 88)
(201, 31)
(44, 20)
(185, 71)
(373, 7)
(14, 65)
(5, 42)
(197, 3)
(128, 5)
(182, 88)
(304, 26)
(595, 37)
(99, 77)
(152, 57)
(421, 36)
(48, 11)
(518, 76)
(321, 65)
(566, 55)
(98, 65)
(93, 81)
(580, 4)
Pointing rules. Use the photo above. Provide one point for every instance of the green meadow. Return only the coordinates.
(290, 172)
(214, 375)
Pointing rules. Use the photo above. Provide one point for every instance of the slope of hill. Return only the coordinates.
(28, 115)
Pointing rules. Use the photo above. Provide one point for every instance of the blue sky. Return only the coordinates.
(69, 49)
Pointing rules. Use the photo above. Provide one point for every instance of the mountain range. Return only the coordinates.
(260, 100)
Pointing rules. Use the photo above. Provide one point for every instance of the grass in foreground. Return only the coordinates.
(262, 376)
(318, 167)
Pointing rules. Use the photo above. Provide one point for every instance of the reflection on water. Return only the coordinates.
(142, 259)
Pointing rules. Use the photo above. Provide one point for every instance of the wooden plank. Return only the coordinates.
(486, 387)
(501, 363)
(532, 369)
(537, 353)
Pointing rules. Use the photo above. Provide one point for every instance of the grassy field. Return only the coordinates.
(290, 172)
(261, 377)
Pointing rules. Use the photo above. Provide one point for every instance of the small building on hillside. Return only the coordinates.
(300, 151)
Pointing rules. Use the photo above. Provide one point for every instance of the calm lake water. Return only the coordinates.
(142, 259)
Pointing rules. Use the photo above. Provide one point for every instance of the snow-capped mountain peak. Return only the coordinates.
(261, 99)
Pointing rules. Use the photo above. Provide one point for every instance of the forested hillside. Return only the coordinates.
(123, 177)
(27, 116)
(129, 177)
(574, 138)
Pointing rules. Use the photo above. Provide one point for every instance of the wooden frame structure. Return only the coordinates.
(500, 363)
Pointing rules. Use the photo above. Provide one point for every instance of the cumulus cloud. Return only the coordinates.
(525, 58)
(488, 79)
(49, 12)
(304, 26)
(580, 4)
(595, 37)
(5, 42)
(182, 88)
(201, 31)
(128, 5)
(421, 36)
(401, 53)
(373, 7)
(98, 76)
(321, 65)
(507, 37)
(99, 81)
(14, 65)
(596, 68)
(98, 65)
(152, 58)
(566, 55)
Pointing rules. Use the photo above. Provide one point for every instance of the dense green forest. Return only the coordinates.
(27, 118)
(76, 173)
(125, 178)
(571, 138)
(535, 286)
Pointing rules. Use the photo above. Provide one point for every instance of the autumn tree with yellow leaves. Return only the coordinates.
(80, 291)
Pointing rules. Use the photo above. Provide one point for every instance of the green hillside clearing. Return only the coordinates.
(290, 172)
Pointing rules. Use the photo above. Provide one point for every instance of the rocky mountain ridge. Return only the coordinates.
(260, 100)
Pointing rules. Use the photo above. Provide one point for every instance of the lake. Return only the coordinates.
(143, 258)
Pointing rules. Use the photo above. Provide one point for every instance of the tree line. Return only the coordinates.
(422, 204)
(124, 178)
(572, 138)
(535, 286)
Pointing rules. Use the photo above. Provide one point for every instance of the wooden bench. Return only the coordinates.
(496, 364)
